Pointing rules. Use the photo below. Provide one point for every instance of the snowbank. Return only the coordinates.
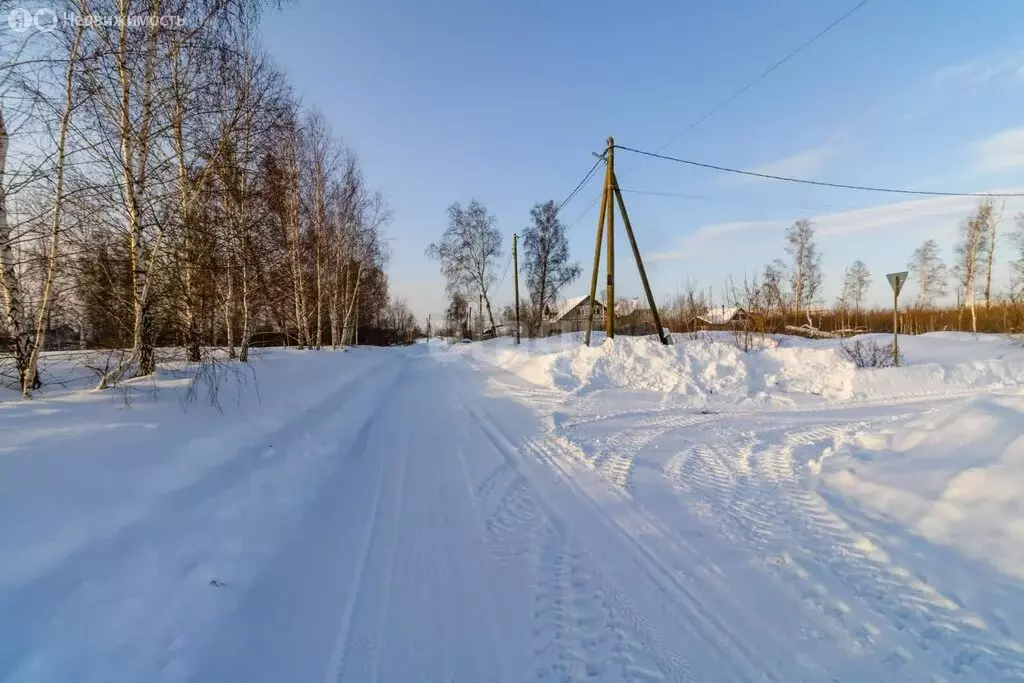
(785, 369)
(944, 363)
(953, 477)
(701, 369)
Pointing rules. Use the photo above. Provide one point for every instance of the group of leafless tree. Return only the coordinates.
(790, 290)
(470, 255)
(970, 277)
(161, 185)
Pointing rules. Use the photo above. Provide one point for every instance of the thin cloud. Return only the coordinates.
(1001, 151)
(804, 163)
(891, 217)
(980, 71)
(706, 236)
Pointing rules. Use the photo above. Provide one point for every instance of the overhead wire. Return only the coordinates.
(764, 74)
(818, 183)
(505, 274)
(579, 186)
(732, 200)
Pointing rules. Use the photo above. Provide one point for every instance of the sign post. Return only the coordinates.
(896, 281)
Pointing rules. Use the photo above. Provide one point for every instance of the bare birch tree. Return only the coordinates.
(172, 200)
(930, 272)
(30, 376)
(546, 262)
(805, 267)
(469, 251)
(14, 306)
(856, 281)
(990, 252)
(1017, 264)
(974, 235)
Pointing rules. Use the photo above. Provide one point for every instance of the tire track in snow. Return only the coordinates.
(372, 649)
(703, 630)
(934, 624)
(578, 633)
(341, 645)
(483, 490)
(776, 512)
(613, 455)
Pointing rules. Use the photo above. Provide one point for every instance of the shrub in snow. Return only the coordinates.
(871, 354)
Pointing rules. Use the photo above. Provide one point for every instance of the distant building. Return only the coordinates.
(627, 307)
(572, 314)
(633, 317)
(63, 337)
(722, 317)
(499, 330)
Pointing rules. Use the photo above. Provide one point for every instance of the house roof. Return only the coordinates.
(630, 306)
(720, 315)
(568, 305)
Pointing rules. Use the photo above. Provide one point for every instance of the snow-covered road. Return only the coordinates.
(426, 517)
(440, 549)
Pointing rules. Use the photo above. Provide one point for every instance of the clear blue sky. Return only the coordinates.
(505, 101)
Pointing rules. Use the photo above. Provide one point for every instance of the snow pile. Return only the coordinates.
(943, 363)
(940, 364)
(822, 372)
(939, 378)
(699, 369)
(953, 477)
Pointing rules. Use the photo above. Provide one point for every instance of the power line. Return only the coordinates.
(764, 74)
(819, 183)
(580, 185)
(585, 212)
(732, 200)
(505, 274)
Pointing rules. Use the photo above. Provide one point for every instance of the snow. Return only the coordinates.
(711, 367)
(567, 305)
(546, 512)
(706, 372)
(628, 307)
(933, 476)
(719, 316)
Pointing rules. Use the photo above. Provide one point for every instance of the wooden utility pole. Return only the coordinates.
(515, 278)
(639, 261)
(609, 297)
(597, 254)
(610, 195)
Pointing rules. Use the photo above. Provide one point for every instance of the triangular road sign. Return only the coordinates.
(896, 281)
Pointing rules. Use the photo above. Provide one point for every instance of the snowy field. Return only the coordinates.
(547, 512)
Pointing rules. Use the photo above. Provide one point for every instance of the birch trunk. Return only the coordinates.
(332, 308)
(351, 334)
(133, 161)
(991, 257)
(338, 336)
(46, 298)
(490, 316)
(298, 284)
(14, 306)
(189, 321)
(319, 292)
(229, 313)
(243, 351)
